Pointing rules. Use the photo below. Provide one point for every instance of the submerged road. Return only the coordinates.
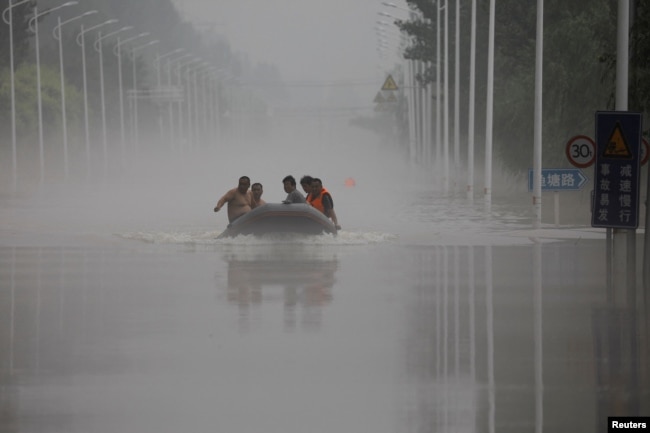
(394, 336)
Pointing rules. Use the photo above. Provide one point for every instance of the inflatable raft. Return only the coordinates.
(298, 218)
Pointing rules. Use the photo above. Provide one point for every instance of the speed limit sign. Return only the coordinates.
(580, 150)
(645, 150)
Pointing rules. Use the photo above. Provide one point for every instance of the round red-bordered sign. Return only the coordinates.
(645, 151)
(581, 151)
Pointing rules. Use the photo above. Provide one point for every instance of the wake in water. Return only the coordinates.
(210, 238)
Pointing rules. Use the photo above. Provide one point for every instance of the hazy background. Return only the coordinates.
(340, 43)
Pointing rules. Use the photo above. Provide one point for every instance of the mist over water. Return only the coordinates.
(168, 197)
(123, 312)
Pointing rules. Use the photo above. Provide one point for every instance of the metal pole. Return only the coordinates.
(624, 248)
(39, 98)
(103, 105)
(85, 88)
(57, 35)
(134, 102)
(170, 106)
(63, 115)
(121, 92)
(81, 40)
(472, 100)
(487, 190)
(537, 142)
(136, 129)
(438, 90)
(14, 157)
(446, 106)
(457, 97)
(117, 51)
(7, 17)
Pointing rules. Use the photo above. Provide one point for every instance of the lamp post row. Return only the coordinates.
(7, 16)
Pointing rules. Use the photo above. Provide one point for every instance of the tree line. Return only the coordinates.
(578, 68)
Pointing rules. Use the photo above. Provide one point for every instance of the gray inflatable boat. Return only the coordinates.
(298, 218)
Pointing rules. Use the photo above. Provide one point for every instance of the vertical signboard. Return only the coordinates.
(616, 173)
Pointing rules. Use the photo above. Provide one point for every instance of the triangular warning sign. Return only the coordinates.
(379, 98)
(389, 84)
(616, 145)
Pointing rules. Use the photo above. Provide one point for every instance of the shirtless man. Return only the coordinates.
(238, 199)
(256, 195)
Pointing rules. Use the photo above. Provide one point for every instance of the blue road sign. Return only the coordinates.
(617, 170)
(559, 179)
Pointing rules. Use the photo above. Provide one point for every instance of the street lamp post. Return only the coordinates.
(158, 60)
(117, 50)
(81, 41)
(472, 99)
(7, 17)
(195, 82)
(33, 26)
(136, 132)
(171, 108)
(186, 95)
(98, 47)
(57, 35)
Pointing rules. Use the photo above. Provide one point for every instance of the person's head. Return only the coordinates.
(244, 184)
(316, 186)
(305, 182)
(257, 190)
(289, 183)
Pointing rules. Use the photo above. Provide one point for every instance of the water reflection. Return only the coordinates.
(621, 380)
(294, 276)
(521, 340)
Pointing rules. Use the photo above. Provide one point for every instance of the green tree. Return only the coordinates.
(579, 37)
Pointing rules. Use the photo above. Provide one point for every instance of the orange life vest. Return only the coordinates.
(317, 202)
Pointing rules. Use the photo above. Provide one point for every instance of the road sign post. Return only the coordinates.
(556, 180)
(617, 170)
(580, 151)
(559, 179)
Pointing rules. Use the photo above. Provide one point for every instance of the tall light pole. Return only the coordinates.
(57, 35)
(117, 50)
(81, 41)
(33, 26)
(136, 131)
(457, 95)
(158, 61)
(472, 100)
(186, 95)
(98, 47)
(7, 17)
(487, 191)
(411, 68)
(445, 113)
(199, 74)
(537, 140)
(171, 108)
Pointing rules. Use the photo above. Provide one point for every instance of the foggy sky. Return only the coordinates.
(308, 40)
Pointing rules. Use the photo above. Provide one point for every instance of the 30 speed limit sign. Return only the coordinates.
(581, 151)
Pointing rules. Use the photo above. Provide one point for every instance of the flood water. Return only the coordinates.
(435, 318)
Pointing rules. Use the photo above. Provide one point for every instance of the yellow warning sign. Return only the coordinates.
(389, 84)
(616, 145)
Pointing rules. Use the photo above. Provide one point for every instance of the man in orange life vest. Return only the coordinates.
(321, 199)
